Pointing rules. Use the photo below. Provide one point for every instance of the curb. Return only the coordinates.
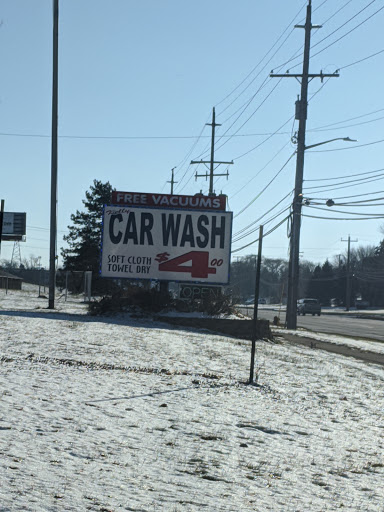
(344, 350)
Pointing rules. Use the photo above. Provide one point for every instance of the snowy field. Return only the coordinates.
(126, 414)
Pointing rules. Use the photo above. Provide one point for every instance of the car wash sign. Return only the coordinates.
(171, 245)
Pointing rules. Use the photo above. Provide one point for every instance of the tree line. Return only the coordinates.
(324, 281)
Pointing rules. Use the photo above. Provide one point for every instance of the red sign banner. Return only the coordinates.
(196, 202)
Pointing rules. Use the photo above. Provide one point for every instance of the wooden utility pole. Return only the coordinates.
(1, 220)
(211, 162)
(301, 115)
(255, 306)
(349, 283)
(172, 182)
(53, 226)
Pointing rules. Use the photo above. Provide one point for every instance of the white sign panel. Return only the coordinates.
(8, 224)
(14, 226)
(170, 245)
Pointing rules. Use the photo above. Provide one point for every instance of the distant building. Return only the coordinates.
(9, 281)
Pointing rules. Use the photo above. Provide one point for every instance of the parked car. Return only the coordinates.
(310, 306)
(361, 304)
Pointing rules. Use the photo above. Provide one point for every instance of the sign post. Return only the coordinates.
(257, 291)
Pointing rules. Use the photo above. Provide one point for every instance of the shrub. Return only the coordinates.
(132, 297)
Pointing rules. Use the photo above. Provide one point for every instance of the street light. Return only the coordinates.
(347, 139)
(294, 252)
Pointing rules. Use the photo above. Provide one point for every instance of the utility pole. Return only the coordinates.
(301, 115)
(348, 287)
(53, 226)
(1, 220)
(255, 306)
(172, 182)
(211, 162)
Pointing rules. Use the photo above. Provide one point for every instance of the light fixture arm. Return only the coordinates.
(347, 139)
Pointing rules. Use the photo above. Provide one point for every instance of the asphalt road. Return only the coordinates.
(332, 323)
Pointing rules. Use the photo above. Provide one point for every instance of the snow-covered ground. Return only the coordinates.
(108, 414)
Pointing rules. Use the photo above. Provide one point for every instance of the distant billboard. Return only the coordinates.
(170, 245)
(14, 226)
(198, 201)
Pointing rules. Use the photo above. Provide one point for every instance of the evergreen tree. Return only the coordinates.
(379, 250)
(84, 237)
(322, 285)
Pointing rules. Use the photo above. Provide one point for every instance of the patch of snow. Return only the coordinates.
(121, 414)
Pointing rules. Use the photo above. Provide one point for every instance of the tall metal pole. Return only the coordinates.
(348, 285)
(293, 272)
(255, 307)
(53, 226)
(1, 220)
(348, 291)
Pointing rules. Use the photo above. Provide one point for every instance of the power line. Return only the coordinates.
(246, 104)
(295, 55)
(265, 234)
(351, 204)
(251, 231)
(346, 120)
(345, 186)
(340, 38)
(341, 218)
(343, 25)
(362, 203)
(258, 64)
(335, 13)
(262, 169)
(373, 178)
(356, 195)
(265, 188)
(350, 125)
(361, 60)
(348, 176)
(371, 215)
(265, 140)
(349, 32)
(100, 137)
(249, 118)
(266, 213)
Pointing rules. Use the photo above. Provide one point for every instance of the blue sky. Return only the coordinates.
(137, 83)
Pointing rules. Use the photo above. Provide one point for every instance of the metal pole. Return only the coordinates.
(1, 220)
(53, 227)
(348, 291)
(255, 307)
(348, 283)
(293, 277)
